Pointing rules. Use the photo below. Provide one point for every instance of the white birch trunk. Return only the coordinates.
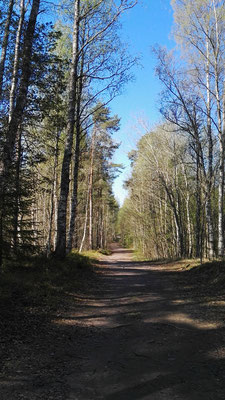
(221, 140)
(16, 59)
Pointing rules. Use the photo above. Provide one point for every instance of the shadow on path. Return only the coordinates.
(144, 334)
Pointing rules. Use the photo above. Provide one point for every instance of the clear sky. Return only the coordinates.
(147, 24)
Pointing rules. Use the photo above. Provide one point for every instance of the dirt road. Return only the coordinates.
(147, 339)
(143, 334)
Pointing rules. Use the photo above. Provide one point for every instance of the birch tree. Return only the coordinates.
(109, 13)
(157, 206)
(182, 105)
(201, 33)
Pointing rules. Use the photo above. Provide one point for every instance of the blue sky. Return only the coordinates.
(147, 24)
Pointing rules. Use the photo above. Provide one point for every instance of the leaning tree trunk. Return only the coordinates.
(60, 251)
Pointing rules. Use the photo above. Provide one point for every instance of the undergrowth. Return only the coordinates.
(211, 271)
(39, 281)
(105, 252)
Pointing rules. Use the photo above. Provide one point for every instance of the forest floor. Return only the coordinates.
(140, 330)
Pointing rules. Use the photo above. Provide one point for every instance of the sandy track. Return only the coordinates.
(146, 338)
(144, 333)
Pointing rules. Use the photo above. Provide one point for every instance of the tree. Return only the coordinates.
(99, 177)
(182, 105)
(5, 42)
(158, 214)
(104, 16)
(17, 114)
(201, 32)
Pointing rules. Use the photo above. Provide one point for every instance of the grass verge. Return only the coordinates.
(41, 282)
(212, 272)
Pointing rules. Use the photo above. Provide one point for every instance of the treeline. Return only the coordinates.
(176, 191)
(56, 145)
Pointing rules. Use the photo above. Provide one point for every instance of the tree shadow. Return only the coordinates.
(144, 333)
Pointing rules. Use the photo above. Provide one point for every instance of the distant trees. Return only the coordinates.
(160, 199)
(182, 106)
(166, 205)
(190, 182)
(96, 59)
(202, 33)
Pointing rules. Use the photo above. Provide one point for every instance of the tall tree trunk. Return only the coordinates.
(102, 227)
(17, 192)
(180, 237)
(209, 176)
(187, 196)
(221, 138)
(65, 173)
(18, 111)
(85, 219)
(198, 209)
(89, 204)
(16, 59)
(73, 215)
(53, 191)
(98, 230)
(17, 115)
(55, 209)
(91, 190)
(5, 43)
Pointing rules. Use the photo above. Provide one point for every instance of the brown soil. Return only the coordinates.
(146, 331)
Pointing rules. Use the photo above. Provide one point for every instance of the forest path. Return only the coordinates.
(147, 337)
(140, 331)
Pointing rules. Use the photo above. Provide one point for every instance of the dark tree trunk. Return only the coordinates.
(18, 111)
(5, 43)
(17, 114)
(16, 60)
(198, 210)
(17, 192)
(74, 195)
(60, 251)
(54, 183)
